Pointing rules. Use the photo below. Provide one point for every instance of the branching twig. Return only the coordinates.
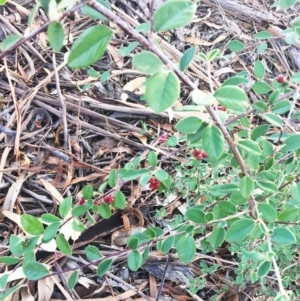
(62, 103)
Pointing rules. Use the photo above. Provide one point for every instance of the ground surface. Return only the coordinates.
(108, 126)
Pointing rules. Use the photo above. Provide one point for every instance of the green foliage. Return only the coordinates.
(244, 194)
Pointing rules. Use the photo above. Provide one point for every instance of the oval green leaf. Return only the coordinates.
(103, 267)
(147, 62)
(34, 270)
(120, 200)
(134, 260)
(87, 10)
(162, 90)
(31, 225)
(232, 97)
(187, 58)
(56, 35)
(213, 142)
(186, 248)
(239, 230)
(89, 46)
(188, 125)
(250, 147)
(283, 236)
(268, 212)
(63, 245)
(173, 14)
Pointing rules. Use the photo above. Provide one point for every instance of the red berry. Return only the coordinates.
(204, 155)
(108, 199)
(221, 108)
(154, 183)
(199, 157)
(280, 78)
(96, 202)
(196, 152)
(163, 138)
(81, 201)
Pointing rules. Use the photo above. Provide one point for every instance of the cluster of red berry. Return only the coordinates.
(154, 183)
(199, 154)
(163, 138)
(109, 199)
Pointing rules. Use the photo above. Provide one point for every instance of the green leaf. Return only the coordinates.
(161, 175)
(56, 35)
(283, 236)
(259, 69)
(9, 260)
(235, 80)
(3, 282)
(2, 2)
(152, 158)
(202, 98)
(186, 248)
(173, 14)
(186, 58)
(227, 207)
(261, 48)
(216, 238)
(49, 218)
(50, 232)
(222, 189)
(89, 46)
(103, 267)
(167, 244)
(65, 206)
(147, 62)
(73, 280)
(9, 41)
(236, 46)
(162, 90)
(134, 260)
(213, 142)
(296, 77)
(34, 271)
(31, 225)
(63, 245)
(281, 107)
(250, 147)
(132, 174)
(246, 186)
(284, 4)
(295, 191)
(261, 88)
(259, 131)
(195, 215)
(92, 253)
(264, 268)
(119, 200)
(104, 76)
(79, 210)
(188, 125)
(112, 178)
(143, 27)
(266, 186)
(261, 35)
(291, 143)
(88, 192)
(272, 119)
(268, 212)
(15, 245)
(289, 215)
(87, 10)
(104, 210)
(232, 97)
(274, 96)
(239, 230)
